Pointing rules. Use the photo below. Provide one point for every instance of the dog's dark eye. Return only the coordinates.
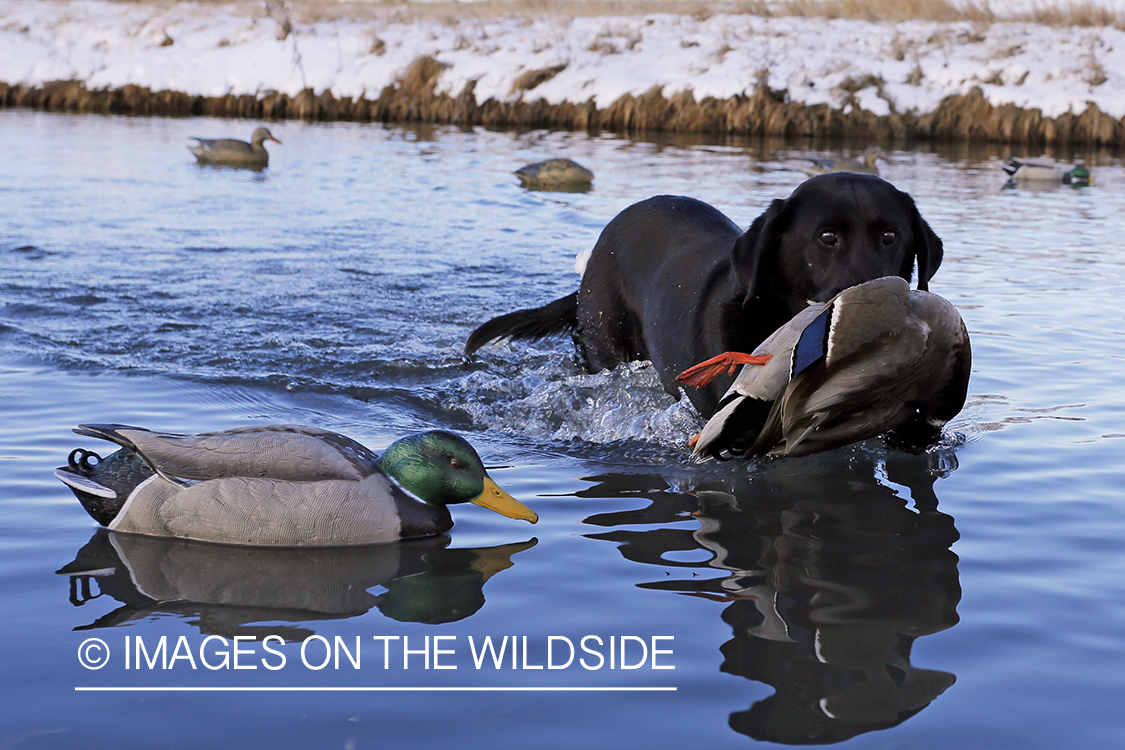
(828, 237)
(889, 237)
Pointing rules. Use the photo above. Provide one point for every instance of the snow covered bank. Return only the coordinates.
(724, 73)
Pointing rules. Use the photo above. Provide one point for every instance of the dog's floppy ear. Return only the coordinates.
(927, 245)
(929, 253)
(749, 254)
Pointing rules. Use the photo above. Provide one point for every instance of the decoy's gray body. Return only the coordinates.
(233, 152)
(866, 164)
(281, 485)
(554, 173)
(1021, 172)
(875, 358)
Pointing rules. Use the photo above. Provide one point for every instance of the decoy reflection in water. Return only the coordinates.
(231, 152)
(875, 358)
(223, 589)
(555, 175)
(280, 485)
(826, 573)
(1042, 173)
(866, 164)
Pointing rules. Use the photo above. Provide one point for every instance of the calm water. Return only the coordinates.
(972, 597)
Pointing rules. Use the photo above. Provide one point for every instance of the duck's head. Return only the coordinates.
(261, 135)
(1080, 175)
(441, 468)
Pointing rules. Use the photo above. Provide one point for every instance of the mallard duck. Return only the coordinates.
(876, 357)
(1029, 172)
(554, 173)
(864, 165)
(284, 485)
(233, 152)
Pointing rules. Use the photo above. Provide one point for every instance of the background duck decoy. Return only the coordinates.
(233, 152)
(876, 357)
(555, 174)
(866, 164)
(284, 485)
(1040, 172)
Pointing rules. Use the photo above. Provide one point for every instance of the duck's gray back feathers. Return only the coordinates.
(554, 172)
(242, 510)
(866, 164)
(286, 452)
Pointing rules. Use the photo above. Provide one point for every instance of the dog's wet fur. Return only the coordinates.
(674, 281)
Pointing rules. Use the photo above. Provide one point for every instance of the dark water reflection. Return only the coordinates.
(831, 572)
(225, 589)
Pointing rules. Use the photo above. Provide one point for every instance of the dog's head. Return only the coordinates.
(835, 231)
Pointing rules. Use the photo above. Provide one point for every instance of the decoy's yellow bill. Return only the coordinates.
(496, 499)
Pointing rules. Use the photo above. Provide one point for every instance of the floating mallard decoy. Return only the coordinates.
(283, 485)
(876, 357)
(555, 173)
(864, 165)
(1031, 172)
(234, 153)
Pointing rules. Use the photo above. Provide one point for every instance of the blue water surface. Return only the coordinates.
(969, 597)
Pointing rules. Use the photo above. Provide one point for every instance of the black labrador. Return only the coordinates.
(674, 281)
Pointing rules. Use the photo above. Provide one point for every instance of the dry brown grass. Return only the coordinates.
(530, 79)
(763, 113)
(1088, 13)
(1078, 13)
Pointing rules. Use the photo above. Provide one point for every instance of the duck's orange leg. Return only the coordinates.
(703, 373)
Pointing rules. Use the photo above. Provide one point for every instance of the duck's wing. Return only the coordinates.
(856, 316)
(857, 166)
(869, 394)
(817, 167)
(232, 146)
(202, 147)
(744, 411)
(1037, 172)
(767, 382)
(284, 452)
(223, 148)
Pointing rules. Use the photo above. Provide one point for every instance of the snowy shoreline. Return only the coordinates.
(732, 73)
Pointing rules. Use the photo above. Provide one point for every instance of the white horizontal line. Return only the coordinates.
(185, 689)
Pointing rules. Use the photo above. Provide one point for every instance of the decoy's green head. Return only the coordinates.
(441, 468)
(1080, 174)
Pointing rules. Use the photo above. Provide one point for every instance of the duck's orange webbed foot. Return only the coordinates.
(703, 373)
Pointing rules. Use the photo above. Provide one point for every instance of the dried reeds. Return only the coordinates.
(1086, 13)
(764, 112)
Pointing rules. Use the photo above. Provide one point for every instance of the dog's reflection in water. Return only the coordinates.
(828, 576)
